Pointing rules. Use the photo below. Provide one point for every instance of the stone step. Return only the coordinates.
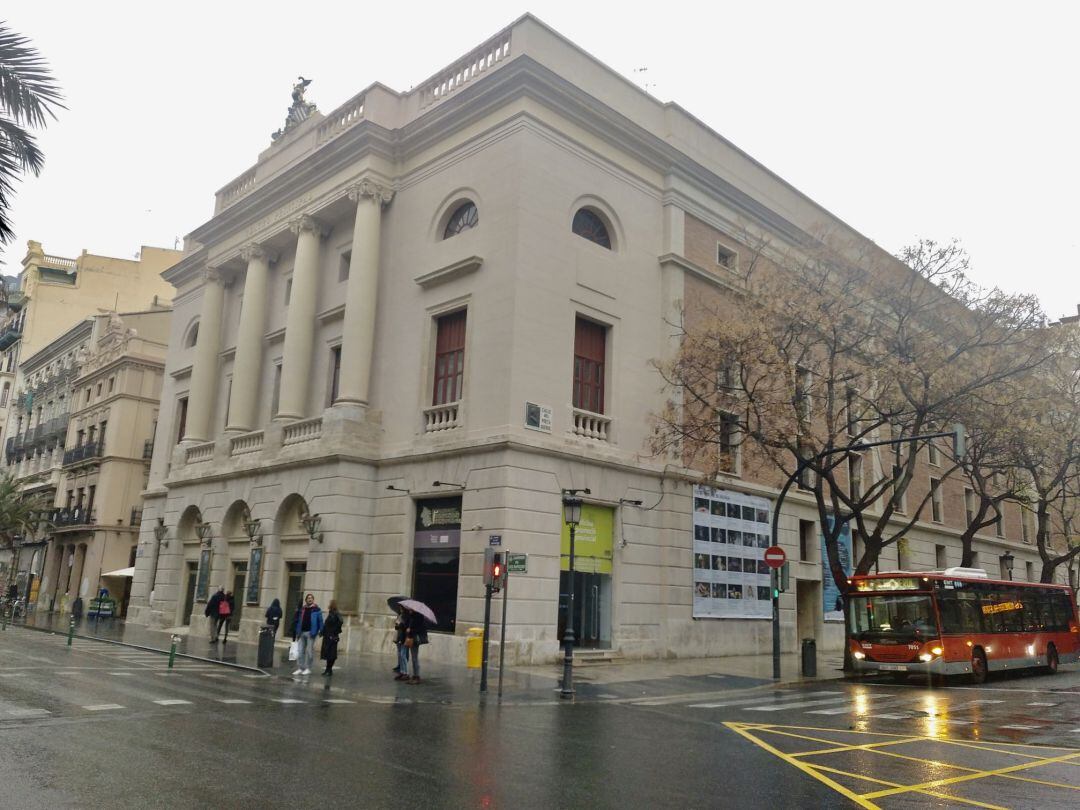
(594, 657)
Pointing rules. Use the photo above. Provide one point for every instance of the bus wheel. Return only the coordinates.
(1051, 667)
(978, 666)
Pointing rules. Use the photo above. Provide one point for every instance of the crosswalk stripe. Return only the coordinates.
(1022, 728)
(28, 712)
(806, 704)
(103, 707)
(1042, 704)
(173, 702)
(233, 700)
(338, 700)
(288, 700)
(744, 701)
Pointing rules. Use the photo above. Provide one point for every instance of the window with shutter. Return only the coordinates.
(449, 359)
(590, 350)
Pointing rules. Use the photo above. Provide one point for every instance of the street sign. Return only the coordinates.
(494, 539)
(774, 556)
(517, 563)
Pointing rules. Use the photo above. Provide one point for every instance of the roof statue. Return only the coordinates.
(300, 110)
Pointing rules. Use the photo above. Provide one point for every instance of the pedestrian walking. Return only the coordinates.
(331, 632)
(273, 615)
(415, 636)
(77, 609)
(309, 623)
(213, 605)
(226, 609)
(402, 668)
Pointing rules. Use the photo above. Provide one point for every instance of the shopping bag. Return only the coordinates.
(294, 650)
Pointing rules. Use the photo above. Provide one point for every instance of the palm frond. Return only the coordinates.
(28, 91)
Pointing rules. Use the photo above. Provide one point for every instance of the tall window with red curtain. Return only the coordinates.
(589, 352)
(449, 358)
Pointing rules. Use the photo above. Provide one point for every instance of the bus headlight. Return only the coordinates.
(858, 656)
(936, 650)
(926, 657)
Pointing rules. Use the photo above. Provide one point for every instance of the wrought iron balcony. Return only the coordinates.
(79, 516)
(9, 335)
(83, 452)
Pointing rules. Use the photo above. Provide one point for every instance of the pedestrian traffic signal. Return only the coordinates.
(494, 568)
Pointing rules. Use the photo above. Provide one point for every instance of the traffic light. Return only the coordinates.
(494, 568)
(785, 574)
(774, 582)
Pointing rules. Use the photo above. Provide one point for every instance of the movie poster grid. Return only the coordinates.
(731, 533)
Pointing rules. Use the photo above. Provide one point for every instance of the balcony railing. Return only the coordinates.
(198, 453)
(480, 61)
(246, 443)
(79, 516)
(441, 417)
(304, 430)
(9, 335)
(148, 449)
(82, 453)
(591, 425)
(136, 516)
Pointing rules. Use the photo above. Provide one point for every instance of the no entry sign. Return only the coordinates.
(774, 556)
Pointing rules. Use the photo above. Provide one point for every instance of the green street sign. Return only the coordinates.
(517, 563)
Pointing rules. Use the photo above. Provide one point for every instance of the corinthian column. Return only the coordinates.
(358, 331)
(204, 369)
(249, 350)
(300, 321)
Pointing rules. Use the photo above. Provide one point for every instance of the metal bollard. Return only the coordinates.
(71, 630)
(172, 650)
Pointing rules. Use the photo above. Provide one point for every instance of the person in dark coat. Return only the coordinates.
(402, 668)
(415, 635)
(212, 613)
(273, 615)
(331, 632)
(226, 610)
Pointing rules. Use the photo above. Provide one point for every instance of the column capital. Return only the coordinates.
(212, 274)
(257, 251)
(369, 188)
(305, 222)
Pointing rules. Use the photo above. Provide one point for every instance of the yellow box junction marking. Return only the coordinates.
(755, 732)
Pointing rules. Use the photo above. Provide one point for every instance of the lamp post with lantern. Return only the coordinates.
(571, 504)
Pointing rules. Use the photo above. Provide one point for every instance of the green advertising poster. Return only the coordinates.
(592, 541)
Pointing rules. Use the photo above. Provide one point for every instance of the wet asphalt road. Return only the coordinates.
(105, 726)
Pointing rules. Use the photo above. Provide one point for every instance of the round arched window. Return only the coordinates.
(589, 226)
(192, 336)
(465, 216)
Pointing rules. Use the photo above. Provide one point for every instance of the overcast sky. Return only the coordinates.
(906, 120)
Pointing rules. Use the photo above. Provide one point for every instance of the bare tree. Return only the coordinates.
(829, 348)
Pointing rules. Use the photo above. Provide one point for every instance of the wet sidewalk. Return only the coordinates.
(369, 675)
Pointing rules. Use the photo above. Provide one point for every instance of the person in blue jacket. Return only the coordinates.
(308, 625)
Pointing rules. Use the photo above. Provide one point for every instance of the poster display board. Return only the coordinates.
(831, 601)
(731, 533)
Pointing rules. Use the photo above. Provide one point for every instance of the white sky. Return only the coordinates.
(906, 120)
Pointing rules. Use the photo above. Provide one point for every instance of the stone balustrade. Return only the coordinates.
(302, 430)
(345, 116)
(479, 61)
(591, 425)
(246, 443)
(198, 453)
(441, 417)
(240, 187)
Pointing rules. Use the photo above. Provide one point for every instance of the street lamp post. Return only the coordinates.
(571, 516)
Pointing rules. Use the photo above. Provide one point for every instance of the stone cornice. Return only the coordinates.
(451, 271)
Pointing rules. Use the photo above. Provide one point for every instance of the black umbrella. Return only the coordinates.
(394, 601)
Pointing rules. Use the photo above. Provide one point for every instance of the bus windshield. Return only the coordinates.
(892, 617)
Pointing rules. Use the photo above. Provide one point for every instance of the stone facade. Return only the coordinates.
(305, 429)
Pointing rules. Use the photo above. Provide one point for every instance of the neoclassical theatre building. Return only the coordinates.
(421, 316)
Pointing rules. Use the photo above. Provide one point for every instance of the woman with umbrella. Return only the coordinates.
(417, 616)
(401, 670)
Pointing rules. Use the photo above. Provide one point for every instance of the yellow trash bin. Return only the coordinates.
(474, 648)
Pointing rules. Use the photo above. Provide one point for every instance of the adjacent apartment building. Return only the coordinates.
(419, 318)
(52, 327)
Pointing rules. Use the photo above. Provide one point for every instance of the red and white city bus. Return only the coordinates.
(957, 622)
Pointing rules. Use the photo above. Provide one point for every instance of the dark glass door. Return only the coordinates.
(239, 583)
(189, 599)
(592, 609)
(294, 593)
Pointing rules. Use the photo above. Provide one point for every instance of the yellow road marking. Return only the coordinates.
(802, 766)
(945, 796)
(926, 788)
(971, 776)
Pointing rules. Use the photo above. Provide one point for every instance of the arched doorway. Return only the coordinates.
(189, 572)
(292, 546)
(237, 553)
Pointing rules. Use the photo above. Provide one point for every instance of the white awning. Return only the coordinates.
(121, 572)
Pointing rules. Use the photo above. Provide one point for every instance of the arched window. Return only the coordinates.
(589, 226)
(192, 336)
(465, 216)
